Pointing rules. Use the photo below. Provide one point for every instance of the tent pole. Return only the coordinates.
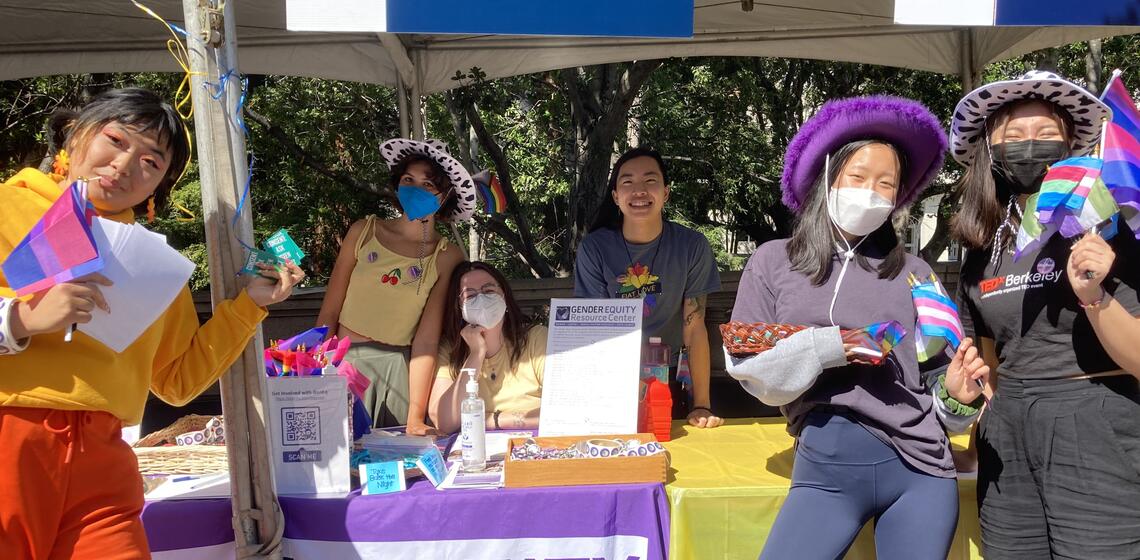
(405, 76)
(222, 167)
(417, 105)
(967, 69)
(402, 108)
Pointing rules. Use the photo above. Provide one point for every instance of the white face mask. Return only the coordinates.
(485, 310)
(858, 211)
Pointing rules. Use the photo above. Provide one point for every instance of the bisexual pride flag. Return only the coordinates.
(1073, 200)
(1121, 151)
(937, 322)
(59, 248)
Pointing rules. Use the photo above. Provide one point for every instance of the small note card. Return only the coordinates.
(382, 478)
(432, 464)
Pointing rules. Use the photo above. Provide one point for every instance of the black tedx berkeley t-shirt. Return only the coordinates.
(1030, 311)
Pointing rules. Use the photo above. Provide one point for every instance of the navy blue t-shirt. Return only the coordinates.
(679, 264)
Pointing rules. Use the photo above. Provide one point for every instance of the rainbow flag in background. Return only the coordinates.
(491, 193)
(1121, 151)
(936, 318)
(1073, 199)
(59, 248)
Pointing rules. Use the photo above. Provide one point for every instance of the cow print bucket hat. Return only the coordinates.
(968, 126)
(397, 149)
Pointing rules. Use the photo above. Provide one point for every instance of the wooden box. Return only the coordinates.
(572, 472)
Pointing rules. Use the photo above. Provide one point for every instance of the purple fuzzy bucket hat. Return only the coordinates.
(906, 124)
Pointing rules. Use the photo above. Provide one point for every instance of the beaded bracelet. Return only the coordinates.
(1100, 300)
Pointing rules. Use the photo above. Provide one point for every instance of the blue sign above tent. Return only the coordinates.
(1066, 12)
(602, 18)
(1017, 12)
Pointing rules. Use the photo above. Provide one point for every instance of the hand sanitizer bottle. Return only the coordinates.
(472, 431)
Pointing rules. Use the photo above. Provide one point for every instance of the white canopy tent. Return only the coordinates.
(85, 36)
(80, 36)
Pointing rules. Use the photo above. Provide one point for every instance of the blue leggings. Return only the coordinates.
(843, 477)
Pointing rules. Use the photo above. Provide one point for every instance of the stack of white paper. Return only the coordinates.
(147, 275)
(491, 477)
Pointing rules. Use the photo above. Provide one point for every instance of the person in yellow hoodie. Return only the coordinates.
(69, 485)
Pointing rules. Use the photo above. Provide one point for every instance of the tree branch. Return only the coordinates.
(315, 164)
(524, 245)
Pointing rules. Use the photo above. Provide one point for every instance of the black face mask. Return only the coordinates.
(1021, 166)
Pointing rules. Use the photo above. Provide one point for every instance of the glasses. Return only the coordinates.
(486, 289)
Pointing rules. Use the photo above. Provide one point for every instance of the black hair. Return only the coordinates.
(983, 199)
(438, 176)
(609, 216)
(812, 245)
(138, 109)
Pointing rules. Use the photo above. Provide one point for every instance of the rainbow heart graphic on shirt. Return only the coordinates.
(639, 282)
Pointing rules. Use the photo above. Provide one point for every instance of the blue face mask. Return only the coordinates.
(417, 202)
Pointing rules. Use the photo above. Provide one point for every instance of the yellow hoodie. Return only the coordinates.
(174, 357)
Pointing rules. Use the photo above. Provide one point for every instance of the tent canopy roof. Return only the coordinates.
(84, 36)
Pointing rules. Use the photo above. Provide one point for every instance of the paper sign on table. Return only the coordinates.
(593, 364)
(310, 441)
(431, 464)
(147, 274)
(382, 478)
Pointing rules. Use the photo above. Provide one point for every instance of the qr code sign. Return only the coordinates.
(301, 426)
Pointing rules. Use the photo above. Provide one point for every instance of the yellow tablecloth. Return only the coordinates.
(726, 485)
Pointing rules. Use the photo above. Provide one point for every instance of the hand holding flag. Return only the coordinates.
(965, 377)
(1089, 263)
(62, 306)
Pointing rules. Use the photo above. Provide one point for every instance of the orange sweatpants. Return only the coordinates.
(69, 487)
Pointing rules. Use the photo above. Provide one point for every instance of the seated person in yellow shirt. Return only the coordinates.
(484, 329)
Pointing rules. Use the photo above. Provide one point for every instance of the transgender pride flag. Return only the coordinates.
(937, 320)
(1121, 151)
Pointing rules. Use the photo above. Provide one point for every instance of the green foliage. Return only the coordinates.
(721, 123)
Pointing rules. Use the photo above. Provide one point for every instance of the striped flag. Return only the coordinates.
(1121, 151)
(1073, 199)
(937, 319)
(59, 248)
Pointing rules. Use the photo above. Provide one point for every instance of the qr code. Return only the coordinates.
(300, 426)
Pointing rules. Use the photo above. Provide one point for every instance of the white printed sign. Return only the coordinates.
(310, 435)
(593, 366)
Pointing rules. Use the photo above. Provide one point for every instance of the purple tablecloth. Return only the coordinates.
(628, 521)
